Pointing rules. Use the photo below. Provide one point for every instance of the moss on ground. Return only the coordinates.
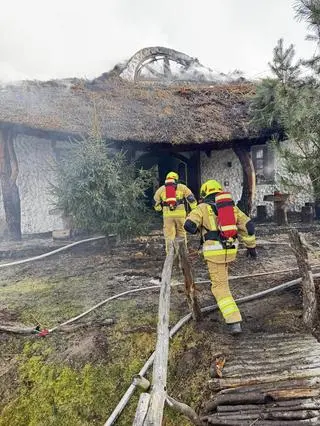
(42, 300)
(55, 381)
(53, 391)
(78, 378)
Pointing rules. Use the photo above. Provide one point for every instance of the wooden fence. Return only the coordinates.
(151, 405)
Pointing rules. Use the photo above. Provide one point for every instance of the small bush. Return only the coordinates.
(101, 190)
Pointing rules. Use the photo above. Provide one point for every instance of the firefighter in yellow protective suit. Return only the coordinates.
(219, 253)
(173, 214)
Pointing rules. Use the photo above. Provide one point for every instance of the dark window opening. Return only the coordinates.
(263, 161)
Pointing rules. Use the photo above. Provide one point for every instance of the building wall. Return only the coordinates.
(217, 166)
(36, 156)
(35, 159)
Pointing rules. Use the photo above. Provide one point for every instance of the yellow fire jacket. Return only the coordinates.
(205, 220)
(182, 192)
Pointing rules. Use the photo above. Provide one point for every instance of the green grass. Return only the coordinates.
(50, 390)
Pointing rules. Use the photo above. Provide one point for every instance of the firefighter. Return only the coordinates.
(169, 199)
(217, 250)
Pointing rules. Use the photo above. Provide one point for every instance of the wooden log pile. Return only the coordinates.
(268, 380)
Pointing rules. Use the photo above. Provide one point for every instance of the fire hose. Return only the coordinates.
(50, 253)
(44, 332)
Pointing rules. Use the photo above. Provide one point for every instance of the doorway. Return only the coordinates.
(187, 167)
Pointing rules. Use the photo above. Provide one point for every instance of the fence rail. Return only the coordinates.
(150, 406)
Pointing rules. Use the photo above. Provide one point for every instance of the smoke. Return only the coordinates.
(8, 73)
(41, 40)
(195, 72)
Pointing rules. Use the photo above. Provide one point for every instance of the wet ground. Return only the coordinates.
(54, 289)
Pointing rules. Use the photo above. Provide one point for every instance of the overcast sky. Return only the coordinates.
(84, 38)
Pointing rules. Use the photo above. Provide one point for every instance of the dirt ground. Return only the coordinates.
(77, 377)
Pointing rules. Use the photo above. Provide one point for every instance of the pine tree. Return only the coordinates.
(309, 11)
(292, 103)
(101, 190)
(282, 65)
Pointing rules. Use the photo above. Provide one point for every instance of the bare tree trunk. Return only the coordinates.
(310, 308)
(10, 193)
(249, 179)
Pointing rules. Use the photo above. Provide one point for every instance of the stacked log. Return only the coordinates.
(268, 380)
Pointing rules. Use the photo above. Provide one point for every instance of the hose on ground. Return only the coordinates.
(66, 247)
(50, 253)
(19, 330)
(126, 397)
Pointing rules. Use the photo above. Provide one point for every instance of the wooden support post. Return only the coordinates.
(160, 366)
(192, 300)
(307, 214)
(262, 213)
(249, 178)
(310, 308)
(280, 212)
(142, 409)
(10, 193)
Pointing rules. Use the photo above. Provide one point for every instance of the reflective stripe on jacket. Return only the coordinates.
(182, 192)
(206, 220)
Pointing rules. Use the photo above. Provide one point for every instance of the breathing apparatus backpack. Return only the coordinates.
(227, 222)
(171, 196)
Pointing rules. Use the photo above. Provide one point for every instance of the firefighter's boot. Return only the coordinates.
(235, 328)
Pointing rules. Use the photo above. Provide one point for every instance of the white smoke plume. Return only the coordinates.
(45, 40)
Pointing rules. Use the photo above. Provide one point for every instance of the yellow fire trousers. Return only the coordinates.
(172, 228)
(221, 291)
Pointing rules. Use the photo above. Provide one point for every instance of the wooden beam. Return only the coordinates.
(142, 409)
(279, 418)
(219, 384)
(278, 396)
(188, 280)
(310, 306)
(45, 133)
(10, 193)
(293, 404)
(249, 178)
(159, 378)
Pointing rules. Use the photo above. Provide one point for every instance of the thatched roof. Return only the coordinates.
(182, 113)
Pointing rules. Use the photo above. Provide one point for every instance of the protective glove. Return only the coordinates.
(252, 252)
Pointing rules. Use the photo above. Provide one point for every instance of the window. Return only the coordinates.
(263, 161)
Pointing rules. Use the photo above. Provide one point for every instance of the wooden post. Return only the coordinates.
(188, 279)
(142, 409)
(160, 366)
(249, 178)
(10, 193)
(280, 212)
(307, 214)
(310, 308)
(262, 213)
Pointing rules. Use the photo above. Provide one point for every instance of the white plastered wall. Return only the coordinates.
(217, 167)
(35, 158)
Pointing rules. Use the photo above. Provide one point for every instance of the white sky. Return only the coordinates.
(42, 39)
